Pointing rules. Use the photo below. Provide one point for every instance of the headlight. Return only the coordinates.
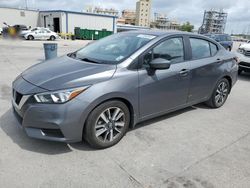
(240, 50)
(58, 97)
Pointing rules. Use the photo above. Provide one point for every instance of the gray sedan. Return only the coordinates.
(100, 91)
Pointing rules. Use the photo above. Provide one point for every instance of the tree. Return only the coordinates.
(187, 27)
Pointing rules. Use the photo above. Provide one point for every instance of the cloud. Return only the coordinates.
(181, 10)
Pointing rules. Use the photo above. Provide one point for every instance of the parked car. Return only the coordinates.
(20, 28)
(41, 33)
(224, 39)
(243, 54)
(101, 90)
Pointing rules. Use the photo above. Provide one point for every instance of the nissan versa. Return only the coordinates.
(99, 91)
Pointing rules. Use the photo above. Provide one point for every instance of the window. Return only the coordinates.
(200, 48)
(213, 48)
(171, 50)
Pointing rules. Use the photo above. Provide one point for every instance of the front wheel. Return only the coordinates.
(220, 94)
(52, 38)
(30, 37)
(107, 124)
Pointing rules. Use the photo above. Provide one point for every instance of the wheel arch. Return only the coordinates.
(104, 99)
(229, 80)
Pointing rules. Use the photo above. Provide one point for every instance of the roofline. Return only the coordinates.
(24, 9)
(82, 13)
(65, 11)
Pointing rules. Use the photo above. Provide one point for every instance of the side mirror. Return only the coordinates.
(159, 63)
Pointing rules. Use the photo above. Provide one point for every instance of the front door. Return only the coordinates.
(163, 90)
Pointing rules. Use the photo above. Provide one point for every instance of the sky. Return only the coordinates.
(181, 10)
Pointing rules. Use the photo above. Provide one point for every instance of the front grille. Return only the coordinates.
(17, 96)
(244, 64)
(247, 53)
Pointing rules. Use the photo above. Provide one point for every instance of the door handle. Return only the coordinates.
(184, 72)
(219, 60)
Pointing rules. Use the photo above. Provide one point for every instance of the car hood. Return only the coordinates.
(65, 72)
(245, 46)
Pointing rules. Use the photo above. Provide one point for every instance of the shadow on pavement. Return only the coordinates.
(9, 125)
(163, 117)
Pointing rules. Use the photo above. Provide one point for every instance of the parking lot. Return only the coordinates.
(194, 147)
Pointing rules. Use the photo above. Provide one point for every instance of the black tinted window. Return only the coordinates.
(214, 49)
(200, 48)
(171, 50)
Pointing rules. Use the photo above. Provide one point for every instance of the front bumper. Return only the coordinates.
(54, 122)
(244, 62)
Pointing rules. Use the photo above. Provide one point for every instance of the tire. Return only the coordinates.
(52, 38)
(30, 37)
(219, 95)
(229, 49)
(105, 132)
(239, 71)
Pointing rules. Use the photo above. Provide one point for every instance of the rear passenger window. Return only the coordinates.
(200, 48)
(213, 48)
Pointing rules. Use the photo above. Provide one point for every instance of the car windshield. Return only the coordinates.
(112, 49)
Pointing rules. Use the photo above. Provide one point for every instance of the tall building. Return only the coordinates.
(214, 21)
(143, 12)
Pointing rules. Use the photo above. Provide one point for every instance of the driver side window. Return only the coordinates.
(171, 50)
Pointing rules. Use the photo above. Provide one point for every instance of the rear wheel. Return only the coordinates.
(107, 124)
(30, 37)
(220, 94)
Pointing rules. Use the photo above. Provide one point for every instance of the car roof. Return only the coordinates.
(159, 33)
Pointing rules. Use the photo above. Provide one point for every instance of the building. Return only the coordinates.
(163, 23)
(214, 21)
(66, 21)
(143, 13)
(129, 16)
(121, 21)
(57, 20)
(13, 16)
(99, 10)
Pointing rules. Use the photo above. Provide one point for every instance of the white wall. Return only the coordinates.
(89, 22)
(49, 20)
(14, 17)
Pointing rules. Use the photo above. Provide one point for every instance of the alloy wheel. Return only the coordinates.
(109, 124)
(221, 93)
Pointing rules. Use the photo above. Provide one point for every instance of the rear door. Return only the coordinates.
(206, 67)
(163, 90)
